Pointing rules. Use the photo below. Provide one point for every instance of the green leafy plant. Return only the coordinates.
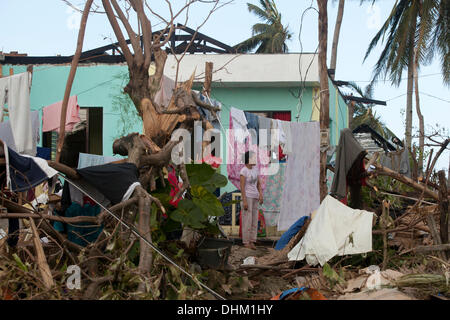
(200, 203)
(199, 209)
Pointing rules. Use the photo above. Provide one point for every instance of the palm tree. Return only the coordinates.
(337, 29)
(415, 28)
(270, 36)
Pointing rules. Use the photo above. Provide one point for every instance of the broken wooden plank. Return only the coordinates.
(436, 247)
(443, 208)
(44, 269)
(69, 172)
(381, 170)
(78, 219)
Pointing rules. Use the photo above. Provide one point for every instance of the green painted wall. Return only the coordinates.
(95, 86)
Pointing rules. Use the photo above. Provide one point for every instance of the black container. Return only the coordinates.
(213, 253)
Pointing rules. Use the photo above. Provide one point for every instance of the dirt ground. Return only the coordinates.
(265, 284)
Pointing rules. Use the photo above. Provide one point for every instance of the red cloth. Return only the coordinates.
(285, 116)
(363, 181)
(175, 187)
(282, 115)
(213, 161)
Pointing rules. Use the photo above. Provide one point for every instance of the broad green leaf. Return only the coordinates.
(217, 181)
(199, 173)
(207, 201)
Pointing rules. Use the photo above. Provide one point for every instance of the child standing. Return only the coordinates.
(251, 194)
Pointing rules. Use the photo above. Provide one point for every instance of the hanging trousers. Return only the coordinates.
(249, 221)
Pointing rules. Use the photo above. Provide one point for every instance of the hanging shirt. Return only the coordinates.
(264, 124)
(6, 133)
(51, 115)
(253, 126)
(251, 181)
(116, 181)
(15, 90)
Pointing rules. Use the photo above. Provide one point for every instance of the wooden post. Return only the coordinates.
(324, 95)
(434, 233)
(384, 226)
(1, 70)
(208, 78)
(443, 209)
(11, 71)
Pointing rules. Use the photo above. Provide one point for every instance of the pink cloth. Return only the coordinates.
(51, 116)
(251, 181)
(249, 221)
(235, 159)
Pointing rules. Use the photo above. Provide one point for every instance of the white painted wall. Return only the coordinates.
(248, 69)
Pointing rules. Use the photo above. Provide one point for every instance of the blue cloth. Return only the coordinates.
(78, 233)
(24, 172)
(253, 123)
(44, 153)
(287, 293)
(292, 231)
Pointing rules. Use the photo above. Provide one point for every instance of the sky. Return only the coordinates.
(50, 27)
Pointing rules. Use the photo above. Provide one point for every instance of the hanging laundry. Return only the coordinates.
(44, 153)
(24, 172)
(71, 193)
(6, 133)
(272, 195)
(301, 194)
(214, 120)
(15, 90)
(125, 178)
(335, 230)
(165, 92)
(348, 152)
(51, 115)
(252, 124)
(80, 233)
(239, 124)
(89, 160)
(286, 146)
(397, 161)
(264, 130)
(175, 186)
(284, 118)
(235, 161)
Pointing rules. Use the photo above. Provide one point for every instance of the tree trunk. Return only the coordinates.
(443, 208)
(420, 116)
(324, 94)
(146, 256)
(408, 129)
(337, 29)
(73, 70)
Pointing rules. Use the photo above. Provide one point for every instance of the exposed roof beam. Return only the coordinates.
(365, 100)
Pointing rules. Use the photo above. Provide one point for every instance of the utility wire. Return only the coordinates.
(151, 245)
